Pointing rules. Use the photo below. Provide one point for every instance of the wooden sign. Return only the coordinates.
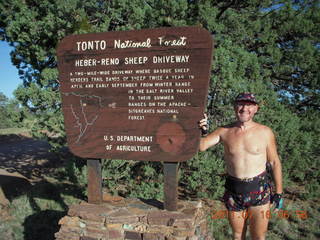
(135, 94)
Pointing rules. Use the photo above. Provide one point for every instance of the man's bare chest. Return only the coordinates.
(251, 142)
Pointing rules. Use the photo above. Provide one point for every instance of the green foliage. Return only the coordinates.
(202, 176)
(132, 178)
(4, 123)
(76, 171)
(11, 114)
(268, 47)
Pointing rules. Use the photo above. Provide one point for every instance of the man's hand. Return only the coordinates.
(203, 125)
(277, 201)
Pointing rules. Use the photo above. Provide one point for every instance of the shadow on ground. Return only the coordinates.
(14, 187)
(24, 165)
(42, 225)
(26, 156)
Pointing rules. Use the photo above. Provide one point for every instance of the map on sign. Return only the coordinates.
(135, 94)
(83, 118)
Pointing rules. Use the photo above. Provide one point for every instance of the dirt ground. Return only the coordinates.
(23, 161)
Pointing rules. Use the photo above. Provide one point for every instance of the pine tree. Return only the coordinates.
(4, 123)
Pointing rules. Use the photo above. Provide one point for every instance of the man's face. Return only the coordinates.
(245, 110)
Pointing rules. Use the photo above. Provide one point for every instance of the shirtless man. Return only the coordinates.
(248, 146)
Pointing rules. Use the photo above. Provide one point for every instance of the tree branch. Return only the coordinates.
(224, 8)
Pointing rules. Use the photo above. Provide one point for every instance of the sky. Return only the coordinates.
(9, 78)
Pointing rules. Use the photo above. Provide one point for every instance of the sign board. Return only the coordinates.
(135, 94)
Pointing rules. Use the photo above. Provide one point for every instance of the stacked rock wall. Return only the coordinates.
(133, 219)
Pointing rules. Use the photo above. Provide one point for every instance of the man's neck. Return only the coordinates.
(245, 125)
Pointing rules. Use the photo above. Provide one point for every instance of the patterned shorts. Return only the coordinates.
(243, 193)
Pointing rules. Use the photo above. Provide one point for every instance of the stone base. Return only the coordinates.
(133, 219)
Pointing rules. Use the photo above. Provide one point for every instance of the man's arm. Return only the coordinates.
(273, 158)
(211, 139)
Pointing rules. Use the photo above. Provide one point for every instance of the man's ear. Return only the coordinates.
(257, 108)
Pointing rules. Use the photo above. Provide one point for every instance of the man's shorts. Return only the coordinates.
(243, 193)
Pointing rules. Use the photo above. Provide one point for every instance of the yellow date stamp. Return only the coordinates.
(283, 214)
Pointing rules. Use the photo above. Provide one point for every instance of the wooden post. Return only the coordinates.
(94, 181)
(170, 185)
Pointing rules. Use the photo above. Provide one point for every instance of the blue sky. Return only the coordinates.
(9, 78)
